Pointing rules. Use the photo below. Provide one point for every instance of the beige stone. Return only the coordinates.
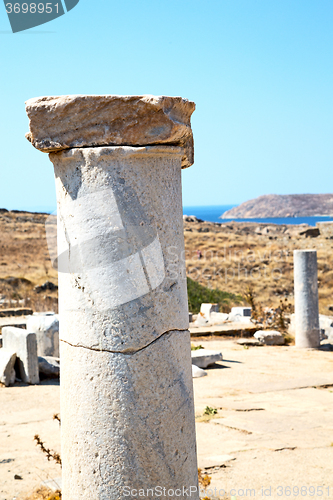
(24, 344)
(128, 420)
(65, 122)
(119, 207)
(7, 362)
(126, 381)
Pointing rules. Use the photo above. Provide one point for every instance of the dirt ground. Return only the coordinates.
(271, 436)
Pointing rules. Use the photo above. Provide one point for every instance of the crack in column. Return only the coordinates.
(127, 351)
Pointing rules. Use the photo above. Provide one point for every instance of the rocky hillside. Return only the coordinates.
(290, 205)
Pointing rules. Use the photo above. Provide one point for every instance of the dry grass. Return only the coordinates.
(237, 256)
(234, 257)
(24, 255)
(23, 245)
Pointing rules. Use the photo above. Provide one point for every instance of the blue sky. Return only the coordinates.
(260, 72)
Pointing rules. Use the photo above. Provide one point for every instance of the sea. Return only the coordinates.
(213, 212)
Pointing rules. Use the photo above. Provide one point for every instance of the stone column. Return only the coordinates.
(126, 381)
(306, 299)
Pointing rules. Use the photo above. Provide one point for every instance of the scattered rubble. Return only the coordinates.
(204, 357)
(269, 337)
(7, 362)
(249, 342)
(198, 372)
(24, 344)
(49, 366)
(46, 328)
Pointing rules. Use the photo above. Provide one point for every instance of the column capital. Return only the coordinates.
(76, 121)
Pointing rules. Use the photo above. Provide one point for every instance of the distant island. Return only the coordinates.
(288, 205)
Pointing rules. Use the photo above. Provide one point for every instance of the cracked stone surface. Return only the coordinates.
(126, 379)
(127, 351)
(64, 122)
(136, 415)
(120, 236)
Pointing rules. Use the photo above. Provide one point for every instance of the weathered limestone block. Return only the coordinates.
(249, 342)
(198, 372)
(65, 122)
(25, 346)
(240, 314)
(201, 320)
(326, 325)
(49, 366)
(46, 328)
(307, 330)
(242, 311)
(205, 357)
(217, 318)
(269, 337)
(7, 362)
(207, 309)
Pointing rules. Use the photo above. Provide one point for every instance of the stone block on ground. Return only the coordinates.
(49, 366)
(240, 314)
(217, 318)
(198, 372)
(326, 324)
(242, 311)
(249, 342)
(201, 320)
(269, 337)
(25, 345)
(46, 328)
(204, 357)
(7, 362)
(206, 309)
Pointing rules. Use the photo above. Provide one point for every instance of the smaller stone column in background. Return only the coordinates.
(306, 299)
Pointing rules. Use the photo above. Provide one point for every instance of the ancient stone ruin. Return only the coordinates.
(307, 331)
(126, 382)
